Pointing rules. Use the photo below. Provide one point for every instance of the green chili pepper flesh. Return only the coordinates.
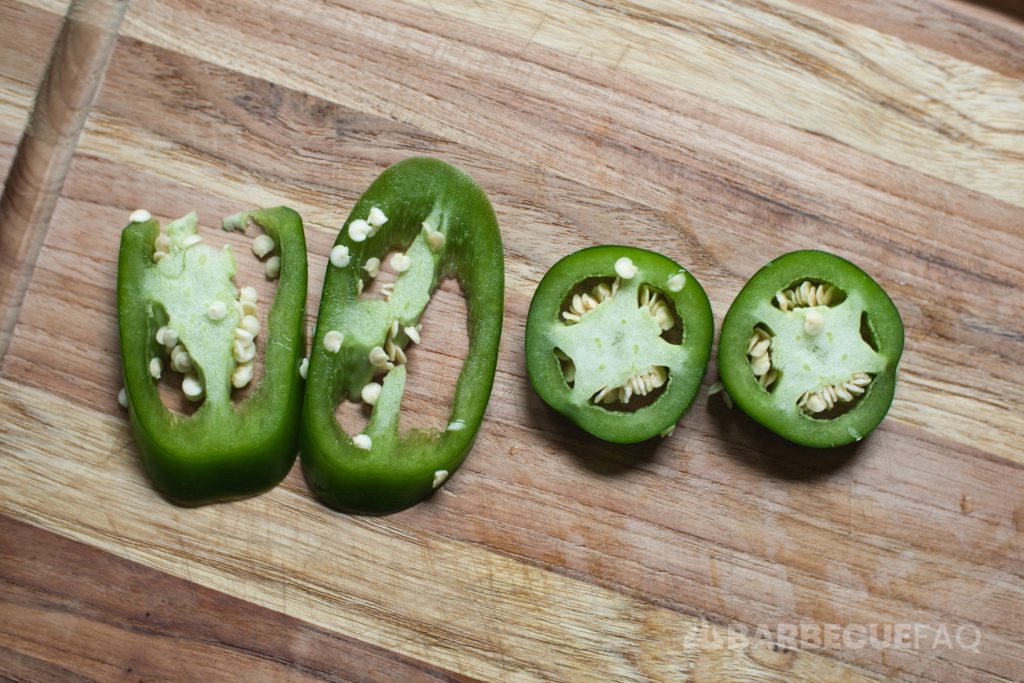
(175, 295)
(444, 225)
(618, 340)
(810, 349)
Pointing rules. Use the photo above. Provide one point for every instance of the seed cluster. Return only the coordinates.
(760, 356)
(826, 398)
(391, 354)
(385, 358)
(657, 307)
(360, 229)
(262, 246)
(639, 384)
(582, 304)
(805, 294)
(243, 347)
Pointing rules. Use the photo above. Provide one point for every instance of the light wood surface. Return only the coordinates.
(721, 134)
(62, 102)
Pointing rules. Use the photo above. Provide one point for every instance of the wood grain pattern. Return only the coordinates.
(26, 38)
(127, 620)
(551, 555)
(989, 33)
(946, 118)
(404, 589)
(65, 95)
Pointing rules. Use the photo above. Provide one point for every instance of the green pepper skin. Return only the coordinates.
(687, 365)
(223, 451)
(399, 470)
(753, 306)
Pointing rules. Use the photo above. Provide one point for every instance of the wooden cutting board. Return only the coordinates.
(720, 133)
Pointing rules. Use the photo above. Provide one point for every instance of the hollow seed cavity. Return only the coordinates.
(760, 358)
(639, 384)
(581, 304)
(805, 294)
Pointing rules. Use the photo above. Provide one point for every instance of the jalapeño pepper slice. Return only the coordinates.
(445, 226)
(617, 340)
(178, 311)
(810, 348)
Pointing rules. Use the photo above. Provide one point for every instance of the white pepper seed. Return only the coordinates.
(248, 294)
(376, 217)
(676, 282)
(339, 256)
(333, 341)
(181, 361)
(625, 268)
(216, 311)
(400, 262)
(358, 230)
(371, 392)
(241, 375)
(813, 322)
(815, 403)
(242, 352)
(170, 338)
(262, 245)
(250, 324)
(378, 357)
(191, 387)
(372, 266)
(273, 267)
(435, 240)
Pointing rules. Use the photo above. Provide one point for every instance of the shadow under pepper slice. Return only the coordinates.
(810, 349)
(618, 340)
(445, 224)
(173, 287)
